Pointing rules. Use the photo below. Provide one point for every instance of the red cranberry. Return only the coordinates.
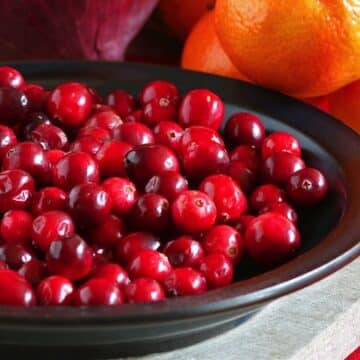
(159, 109)
(70, 103)
(159, 89)
(37, 96)
(169, 184)
(75, 168)
(144, 290)
(218, 270)
(169, 133)
(248, 155)
(229, 200)
(100, 134)
(271, 239)
(47, 199)
(123, 194)
(264, 195)
(49, 137)
(111, 158)
(70, 257)
(54, 156)
(114, 273)
(7, 140)
(97, 292)
(16, 190)
(280, 142)
(15, 227)
(55, 290)
(184, 251)
(101, 256)
(89, 203)
(86, 144)
(278, 168)
(306, 187)
(242, 175)
(15, 290)
(14, 105)
(33, 120)
(10, 77)
(16, 255)
(107, 120)
(121, 102)
(244, 128)
(194, 212)
(242, 223)
(96, 98)
(134, 133)
(134, 243)
(201, 107)
(205, 158)
(225, 240)
(135, 116)
(145, 161)
(185, 281)
(283, 209)
(50, 226)
(33, 271)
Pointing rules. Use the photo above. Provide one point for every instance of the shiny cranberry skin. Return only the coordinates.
(47, 199)
(16, 255)
(242, 223)
(10, 77)
(107, 120)
(89, 203)
(242, 175)
(201, 107)
(159, 89)
(244, 128)
(280, 142)
(248, 155)
(134, 243)
(169, 133)
(123, 194)
(283, 209)
(121, 102)
(100, 134)
(7, 140)
(16, 190)
(55, 290)
(278, 168)
(114, 273)
(205, 158)
(157, 110)
(70, 257)
(96, 292)
(32, 121)
(86, 144)
(218, 270)
(108, 232)
(184, 251)
(15, 227)
(50, 226)
(224, 239)
(15, 290)
(135, 116)
(70, 104)
(49, 137)
(185, 281)
(14, 105)
(37, 96)
(134, 133)
(264, 195)
(33, 271)
(54, 156)
(193, 212)
(111, 158)
(75, 168)
(169, 184)
(145, 161)
(143, 290)
(271, 239)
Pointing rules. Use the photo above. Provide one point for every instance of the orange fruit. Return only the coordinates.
(203, 51)
(304, 48)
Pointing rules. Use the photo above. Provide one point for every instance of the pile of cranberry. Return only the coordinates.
(123, 199)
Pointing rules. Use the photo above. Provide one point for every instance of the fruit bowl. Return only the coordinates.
(329, 231)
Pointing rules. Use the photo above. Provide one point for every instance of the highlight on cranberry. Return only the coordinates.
(135, 198)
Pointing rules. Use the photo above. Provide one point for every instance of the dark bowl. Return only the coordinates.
(330, 232)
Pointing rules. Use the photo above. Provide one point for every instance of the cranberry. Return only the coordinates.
(101, 256)
(248, 155)
(33, 271)
(97, 292)
(47, 199)
(184, 251)
(306, 187)
(96, 98)
(70, 257)
(37, 96)
(54, 156)
(121, 102)
(16, 255)
(16, 190)
(185, 281)
(15, 227)
(159, 109)
(205, 158)
(244, 128)
(134, 243)
(7, 140)
(100, 134)
(144, 290)
(135, 116)
(280, 142)
(33, 120)
(169, 184)
(107, 120)
(194, 212)
(145, 161)
(242, 175)
(242, 223)
(283, 209)
(271, 239)
(50, 226)
(86, 144)
(278, 168)
(151, 264)
(10, 77)
(201, 107)
(134, 133)
(159, 89)
(218, 270)
(264, 195)
(75, 168)
(123, 194)
(70, 103)
(55, 290)
(169, 133)
(49, 137)
(111, 158)
(15, 290)
(114, 273)
(14, 105)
